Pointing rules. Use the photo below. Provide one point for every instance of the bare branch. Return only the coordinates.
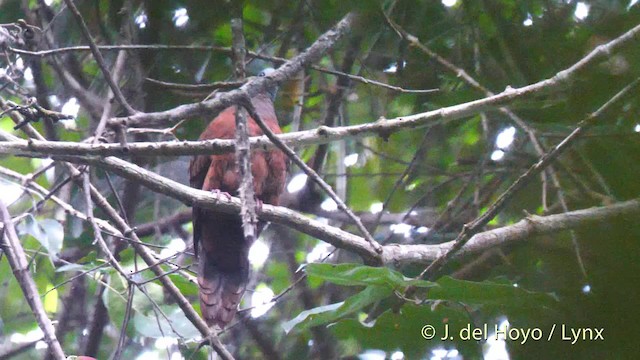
(320, 135)
(140, 248)
(102, 244)
(253, 87)
(313, 53)
(393, 254)
(205, 199)
(314, 176)
(524, 230)
(99, 59)
(18, 262)
(475, 226)
(243, 149)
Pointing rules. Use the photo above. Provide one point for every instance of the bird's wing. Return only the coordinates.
(198, 168)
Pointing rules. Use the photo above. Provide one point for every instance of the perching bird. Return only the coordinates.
(218, 238)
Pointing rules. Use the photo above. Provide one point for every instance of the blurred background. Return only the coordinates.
(414, 186)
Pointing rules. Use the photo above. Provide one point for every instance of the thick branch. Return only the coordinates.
(313, 53)
(393, 254)
(321, 135)
(476, 225)
(523, 230)
(253, 87)
(205, 199)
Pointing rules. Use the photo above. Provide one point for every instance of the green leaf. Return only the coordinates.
(48, 232)
(402, 331)
(50, 300)
(331, 313)
(278, 272)
(55, 235)
(158, 326)
(251, 13)
(222, 35)
(186, 287)
(502, 296)
(360, 275)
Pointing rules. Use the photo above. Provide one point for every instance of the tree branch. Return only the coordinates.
(393, 254)
(99, 59)
(475, 226)
(246, 192)
(315, 51)
(322, 134)
(18, 262)
(521, 231)
(253, 87)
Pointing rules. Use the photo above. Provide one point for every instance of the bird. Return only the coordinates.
(219, 243)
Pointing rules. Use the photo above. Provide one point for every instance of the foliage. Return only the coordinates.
(432, 179)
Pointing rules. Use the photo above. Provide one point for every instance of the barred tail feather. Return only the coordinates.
(220, 292)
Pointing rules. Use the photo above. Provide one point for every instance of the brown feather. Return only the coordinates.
(219, 243)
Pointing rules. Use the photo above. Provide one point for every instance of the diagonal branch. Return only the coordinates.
(205, 199)
(315, 51)
(253, 87)
(18, 262)
(393, 254)
(313, 175)
(382, 127)
(140, 248)
(475, 226)
(99, 59)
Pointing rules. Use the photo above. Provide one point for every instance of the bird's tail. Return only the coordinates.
(220, 291)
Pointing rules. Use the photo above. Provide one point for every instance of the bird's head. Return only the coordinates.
(272, 88)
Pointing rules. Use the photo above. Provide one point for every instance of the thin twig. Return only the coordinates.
(256, 55)
(146, 254)
(125, 322)
(312, 174)
(475, 226)
(107, 109)
(461, 73)
(205, 89)
(99, 59)
(401, 179)
(18, 262)
(86, 181)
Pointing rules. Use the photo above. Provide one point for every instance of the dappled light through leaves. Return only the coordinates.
(450, 171)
